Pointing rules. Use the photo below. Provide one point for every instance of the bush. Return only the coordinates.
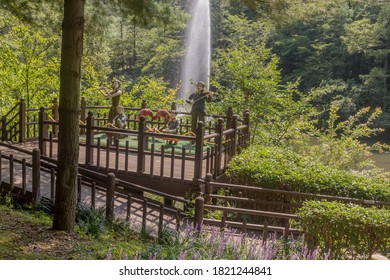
(91, 221)
(348, 231)
(276, 168)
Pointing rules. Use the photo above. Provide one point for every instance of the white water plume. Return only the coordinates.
(196, 65)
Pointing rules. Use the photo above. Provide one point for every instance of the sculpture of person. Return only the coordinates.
(172, 125)
(115, 95)
(120, 120)
(198, 100)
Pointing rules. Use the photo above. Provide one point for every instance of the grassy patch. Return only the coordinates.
(28, 235)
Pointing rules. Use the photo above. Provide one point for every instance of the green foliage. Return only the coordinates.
(29, 65)
(164, 60)
(339, 143)
(91, 221)
(352, 231)
(360, 36)
(154, 91)
(273, 167)
(338, 46)
(153, 47)
(248, 77)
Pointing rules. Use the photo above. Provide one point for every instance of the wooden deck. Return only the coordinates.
(22, 179)
(145, 158)
(163, 172)
(143, 165)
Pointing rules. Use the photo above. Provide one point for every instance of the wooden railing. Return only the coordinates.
(219, 204)
(215, 143)
(133, 198)
(103, 187)
(256, 208)
(21, 123)
(209, 153)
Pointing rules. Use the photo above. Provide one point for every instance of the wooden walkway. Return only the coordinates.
(145, 158)
(144, 211)
(22, 179)
(143, 163)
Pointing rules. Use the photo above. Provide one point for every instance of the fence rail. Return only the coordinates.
(106, 190)
(224, 209)
(37, 176)
(258, 208)
(209, 153)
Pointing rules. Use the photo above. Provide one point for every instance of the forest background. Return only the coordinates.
(307, 69)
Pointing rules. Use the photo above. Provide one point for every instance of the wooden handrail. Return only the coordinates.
(251, 226)
(34, 109)
(251, 212)
(319, 196)
(211, 135)
(228, 131)
(11, 110)
(244, 126)
(12, 119)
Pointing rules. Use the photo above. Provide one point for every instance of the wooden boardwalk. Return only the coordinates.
(146, 159)
(143, 163)
(23, 176)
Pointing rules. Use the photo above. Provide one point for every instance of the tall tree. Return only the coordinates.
(68, 140)
(70, 77)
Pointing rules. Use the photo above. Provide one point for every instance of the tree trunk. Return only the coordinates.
(68, 140)
(134, 60)
(385, 97)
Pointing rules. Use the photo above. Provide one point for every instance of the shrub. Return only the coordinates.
(91, 221)
(274, 167)
(349, 231)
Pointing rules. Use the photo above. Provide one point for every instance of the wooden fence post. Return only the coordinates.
(22, 120)
(110, 196)
(11, 172)
(144, 214)
(199, 212)
(143, 105)
(161, 220)
(265, 232)
(199, 151)
(128, 212)
(36, 174)
(229, 115)
(207, 187)
(244, 228)
(234, 138)
(93, 195)
(178, 219)
(141, 145)
(54, 110)
(89, 140)
(24, 166)
(42, 131)
(218, 148)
